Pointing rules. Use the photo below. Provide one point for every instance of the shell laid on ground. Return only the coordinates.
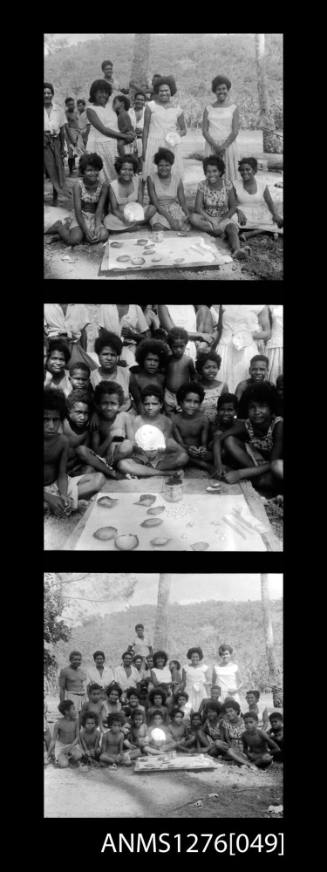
(137, 261)
(155, 259)
(177, 260)
(157, 510)
(124, 258)
(214, 489)
(106, 502)
(116, 244)
(159, 542)
(200, 546)
(146, 500)
(151, 522)
(126, 542)
(105, 533)
(142, 242)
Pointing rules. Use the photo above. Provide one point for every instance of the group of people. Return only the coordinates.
(123, 147)
(151, 705)
(182, 398)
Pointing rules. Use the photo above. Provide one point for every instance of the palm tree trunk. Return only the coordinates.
(266, 122)
(140, 63)
(273, 672)
(161, 623)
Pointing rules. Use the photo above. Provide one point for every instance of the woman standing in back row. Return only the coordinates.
(221, 126)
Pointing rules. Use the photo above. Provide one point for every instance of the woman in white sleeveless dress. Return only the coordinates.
(274, 346)
(255, 207)
(225, 674)
(125, 189)
(243, 326)
(220, 127)
(164, 124)
(195, 678)
(103, 135)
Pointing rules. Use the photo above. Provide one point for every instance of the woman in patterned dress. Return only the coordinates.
(164, 124)
(220, 127)
(89, 196)
(215, 204)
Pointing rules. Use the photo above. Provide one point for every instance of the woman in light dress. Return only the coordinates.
(226, 675)
(195, 678)
(255, 207)
(243, 327)
(220, 127)
(166, 194)
(160, 672)
(274, 346)
(128, 322)
(104, 132)
(127, 188)
(164, 124)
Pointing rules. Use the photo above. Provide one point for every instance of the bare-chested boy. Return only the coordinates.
(94, 705)
(180, 367)
(81, 458)
(64, 746)
(113, 741)
(111, 429)
(61, 492)
(258, 746)
(154, 451)
(56, 374)
(90, 736)
(191, 426)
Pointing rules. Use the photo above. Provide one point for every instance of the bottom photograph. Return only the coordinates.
(163, 695)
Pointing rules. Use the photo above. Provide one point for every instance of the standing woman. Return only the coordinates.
(164, 124)
(226, 675)
(242, 328)
(220, 127)
(195, 678)
(104, 131)
(160, 672)
(54, 142)
(274, 347)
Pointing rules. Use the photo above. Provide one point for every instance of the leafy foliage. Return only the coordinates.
(54, 628)
(194, 60)
(207, 624)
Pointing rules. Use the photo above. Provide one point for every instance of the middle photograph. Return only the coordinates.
(163, 427)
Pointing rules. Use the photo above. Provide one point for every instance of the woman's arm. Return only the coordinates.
(181, 125)
(107, 131)
(238, 429)
(114, 207)
(78, 211)
(101, 203)
(277, 449)
(205, 129)
(164, 317)
(181, 199)
(235, 129)
(146, 126)
(272, 208)
(232, 203)
(264, 321)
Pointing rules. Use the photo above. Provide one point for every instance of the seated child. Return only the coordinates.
(112, 742)
(133, 702)
(215, 693)
(180, 700)
(162, 452)
(276, 732)
(111, 429)
(226, 416)
(190, 425)
(89, 197)
(258, 369)
(178, 729)
(95, 705)
(207, 366)
(211, 724)
(137, 736)
(90, 736)
(113, 696)
(64, 747)
(79, 377)
(255, 446)
(196, 740)
(81, 458)
(151, 356)
(108, 347)
(57, 375)
(157, 699)
(61, 492)
(257, 745)
(176, 675)
(180, 368)
(159, 739)
(252, 697)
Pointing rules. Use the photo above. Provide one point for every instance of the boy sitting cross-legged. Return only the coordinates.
(61, 492)
(81, 458)
(112, 433)
(153, 450)
(191, 426)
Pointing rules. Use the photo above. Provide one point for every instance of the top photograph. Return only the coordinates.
(163, 156)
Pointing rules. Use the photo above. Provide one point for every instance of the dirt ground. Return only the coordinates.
(265, 261)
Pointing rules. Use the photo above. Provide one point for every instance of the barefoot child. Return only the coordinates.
(180, 367)
(197, 740)
(62, 492)
(190, 425)
(89, 197)
(276, 732)
(57, 375)
(95, 705)
(255, 445)
(81, 458)
(64, 746)
(113, 741)
(226, 416)
(90, 736)
(257, 745)
(207, 366)
(154, 451)
(178, 729)
(108, 347)
(137, 737)
(159, 739)
(151, 356)
(112, 432)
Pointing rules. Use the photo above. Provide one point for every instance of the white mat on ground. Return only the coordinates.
(173, 251)
(198, 522)
(171, 763)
